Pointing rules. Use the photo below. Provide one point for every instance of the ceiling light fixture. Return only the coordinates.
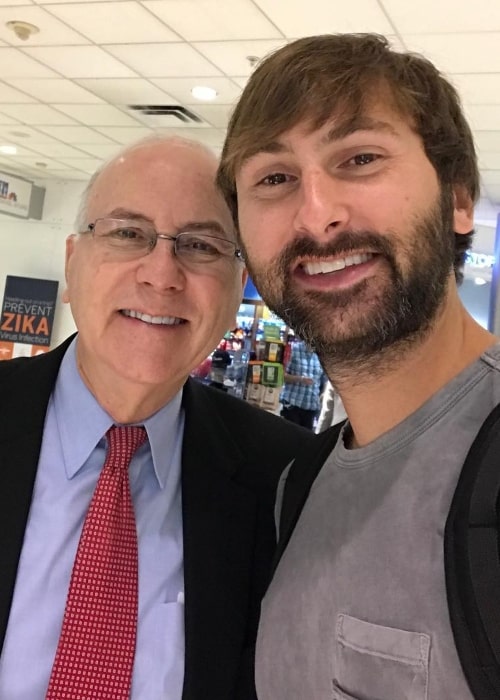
(8, 150)
(253, 60)
(23, 30)
(203, 92)
(480, 281)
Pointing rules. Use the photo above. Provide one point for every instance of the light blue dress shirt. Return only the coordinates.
(72, 454)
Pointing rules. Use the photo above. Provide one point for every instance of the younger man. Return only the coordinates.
(351, 172)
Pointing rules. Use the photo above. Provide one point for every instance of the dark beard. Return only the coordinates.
(360, 326)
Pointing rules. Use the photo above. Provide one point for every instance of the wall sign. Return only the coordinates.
(27, 316)
(479, 259)
(15, 195)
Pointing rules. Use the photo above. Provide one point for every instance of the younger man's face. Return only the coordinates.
(347, 233)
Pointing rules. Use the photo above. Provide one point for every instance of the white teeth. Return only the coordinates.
(322, 267)
(156, 320)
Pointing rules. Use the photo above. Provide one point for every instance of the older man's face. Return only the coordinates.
(150, 320)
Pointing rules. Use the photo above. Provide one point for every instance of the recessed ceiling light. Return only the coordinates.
(8, 150)
(253, 60)
(23, 30)
(480, 281)
(202, 92)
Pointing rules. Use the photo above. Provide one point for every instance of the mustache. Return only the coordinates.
(345, 242)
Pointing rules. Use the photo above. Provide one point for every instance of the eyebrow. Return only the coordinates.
(121, 213)
(210, 224)
(340, 131)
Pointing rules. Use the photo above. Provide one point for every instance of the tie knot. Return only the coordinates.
(123, 442)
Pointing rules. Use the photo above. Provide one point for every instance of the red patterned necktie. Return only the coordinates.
(95, 654)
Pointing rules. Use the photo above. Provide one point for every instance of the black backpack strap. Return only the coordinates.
(298, 483)
(472, 563)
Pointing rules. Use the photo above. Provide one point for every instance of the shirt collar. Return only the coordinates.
(82, 422)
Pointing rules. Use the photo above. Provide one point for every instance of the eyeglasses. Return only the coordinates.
(129, 239)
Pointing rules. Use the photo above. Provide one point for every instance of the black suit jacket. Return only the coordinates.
(232, 457)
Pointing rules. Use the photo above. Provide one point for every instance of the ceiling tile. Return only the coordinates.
(59, 2)
(478, 88)
(163, 60)
(216, 115)
(459, 53)
(493, 192)
(241, 81)
(88, 165)
(214, 138)
(484, 117)
(15, 64)
(36, 114)
(446, 16)
(26, 135)
(38, 161)
(231, 56)
(126, 90)
(5, 119)
(80, 62)
(10, 95)
(23, 152)
(100, 150)
(114, 22)
(54, 90)
(5, 163)
(52, 31)
(58, 150)
(296, 18)
(489, 161)
(488, 140)
(97, 115)
(491, 177)
(67, 174)
(202, 20)
(125, 135)
(180, 88)
(75, 134)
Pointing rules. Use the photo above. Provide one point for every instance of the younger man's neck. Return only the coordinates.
(399, 382)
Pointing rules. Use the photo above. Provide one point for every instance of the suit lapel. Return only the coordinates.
(26, 386)
(218, 522)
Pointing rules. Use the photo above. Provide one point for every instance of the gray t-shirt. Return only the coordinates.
(357, 609)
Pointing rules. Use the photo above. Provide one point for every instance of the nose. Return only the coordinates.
(160, 269)
(322, 207)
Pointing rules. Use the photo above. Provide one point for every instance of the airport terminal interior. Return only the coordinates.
(81, 80)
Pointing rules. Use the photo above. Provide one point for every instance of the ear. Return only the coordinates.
(463, 210)
(244, 277)
(70, 246)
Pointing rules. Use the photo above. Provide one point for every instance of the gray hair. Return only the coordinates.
(81, 221)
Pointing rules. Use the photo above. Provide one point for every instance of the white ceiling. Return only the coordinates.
(64, 93)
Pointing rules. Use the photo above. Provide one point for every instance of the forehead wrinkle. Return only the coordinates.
(210, 225)
(122, 213)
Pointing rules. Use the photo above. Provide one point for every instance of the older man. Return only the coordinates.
(353, 173)
(136, 505)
